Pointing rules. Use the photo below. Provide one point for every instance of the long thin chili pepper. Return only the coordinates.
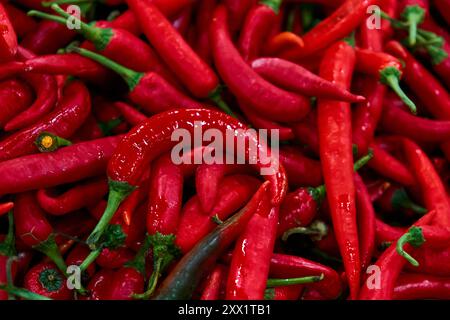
(238, 10)
(16, 96)
(70, 164)
(203, 20)
(8, 38)
(184, 278)
(133, 116)
(411, 286)
(153, 137)
(434, 261)
(274, 103)
(213, 284)
(69, 115)
(336, 155)
(295, 78)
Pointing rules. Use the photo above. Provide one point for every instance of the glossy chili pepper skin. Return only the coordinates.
(113, 259)
(337, 160)
(415, 286)
(98, 285)
(133, 116)
(8, 39)
(67, 165)
(295, 78)
(433, 261)
(195, 224)
(45, 279)
(346, 18)
(64, 121)
(174, 50)
(184, 278)
(207, 181)
(16, 96)
(272, 102)
(46, 97)
(82, 195)
(21, 23)
(249, 267)
(204, 15)
(214, 282)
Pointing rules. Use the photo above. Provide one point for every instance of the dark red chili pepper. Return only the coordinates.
(181, 22)
(385, 67)
(272, 102)
(77, 256)
(302, 171)
(90, 130)
(184, 278)
(284, 293)
(7, 250)
(114, 258)
(338, 25)
(80, 196)
(414, 286)
(108, 117)
(431, 185)
(64, 121)
(386, 233)
(21, 23)
(207, 181)
(8, 38)
(431, 93)
(337, 159)
(45, 279)
(213, 284)
(147, 90)
(390, 7)
(238, 10)
(203, 20)
(434, 261)
(249, 266)
(293, 77)
(131, 115)
(70, 164)
(306, 133)
(442, 6)
(396, 199)
(98, 285)
(153, 137)
(34, 230)
(287, 266)
(258, 23)
(16, 96)
(46, 96)
(235, 190)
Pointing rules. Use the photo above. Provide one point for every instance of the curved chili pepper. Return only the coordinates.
(338, 25)
(249, 266)
(336, 156)
(21, 23)
(434, 193)
(293, 77)
(8, 38)
(46, 95)
(430, 92)
(133, 116)
(77, 256)
(114, 258)
(282, 41)
(69, 116)
(153, 137)
(411, 286)
(302, 171)
(272, 102)
(238, 10)
(395, 198)
(235, 190)
(45, 279)
(69, 164)
(147, 90)
(16, 96)
(184, 278)
(213, 284)
(257, 25)
(34, 229)
(82, 195)
(98, 285)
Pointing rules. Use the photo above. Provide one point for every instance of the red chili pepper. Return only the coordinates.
(80, 196)
(387, 68)
(293, 77)
(293, 293)
(77, 256)
(434, 261)
(45, 279)
(90, 130)
(131, 115)
(69, 116)
(302, 171)
(203, 20)
(213, 284)
(287, 266)
(147, 141)
(395, 199)
(390, 7)
(22, 24)
(181, 22)
(67, 165)
(8, 38)
(249, 267)
(346, 18)
(433, 190)
(306, 133)
(238, 10)
(16, 96)
(431, 93)
(46, 96)
(34, 230)
(235, 191)
(98, 285)
(114, 258)
(272, 102)
(411, 286)
(282, 41)
(337, 160)
(108, 117)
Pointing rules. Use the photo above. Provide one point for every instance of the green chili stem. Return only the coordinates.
(271, 283)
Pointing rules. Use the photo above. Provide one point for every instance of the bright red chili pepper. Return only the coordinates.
(8, 38)
(293, 77)
(414, 286)
(434, 261)
(16, 96)
(68, 116)
(203, 20)
(302, 171)
(21, 23)
(235, 191)
(67, 165)
(284, 293)
(338, 25)
(80, 196)
(272, 102)
(45, 279)
(390, 7)
(133, 116)
(214, 283)
(337, 160)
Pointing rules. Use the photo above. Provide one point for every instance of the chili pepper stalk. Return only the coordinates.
(48, 142)
(415, 237)
(273, 283)
(414, 15)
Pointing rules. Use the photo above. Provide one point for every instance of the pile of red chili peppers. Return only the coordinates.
(92, 91)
